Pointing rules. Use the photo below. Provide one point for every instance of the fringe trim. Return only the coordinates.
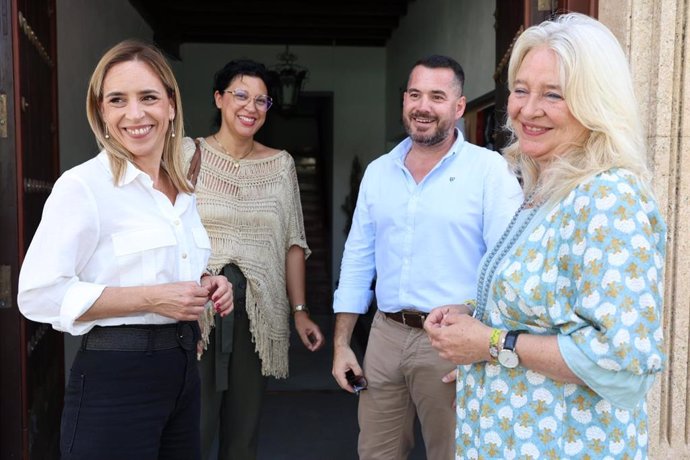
(253, 215)
(270, 333)
(206, 323)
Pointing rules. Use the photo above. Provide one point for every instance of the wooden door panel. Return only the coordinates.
(44, 378)
(31, 393)
(11, 423)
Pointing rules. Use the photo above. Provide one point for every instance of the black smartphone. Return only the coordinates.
(357, 382)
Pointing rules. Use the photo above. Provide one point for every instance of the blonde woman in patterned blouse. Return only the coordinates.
(564, 339)
(249, 202)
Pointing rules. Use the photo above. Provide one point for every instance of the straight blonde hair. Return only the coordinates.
(598, 90)
(172, 159)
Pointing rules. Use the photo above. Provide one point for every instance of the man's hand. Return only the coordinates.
(344, 359)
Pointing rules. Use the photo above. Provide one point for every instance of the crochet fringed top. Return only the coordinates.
(253, 216)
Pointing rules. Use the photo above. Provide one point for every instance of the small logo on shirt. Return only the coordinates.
(452, 178)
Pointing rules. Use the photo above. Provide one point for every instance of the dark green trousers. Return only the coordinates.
(232, 386)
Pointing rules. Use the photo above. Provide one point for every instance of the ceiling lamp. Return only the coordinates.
(289, 77)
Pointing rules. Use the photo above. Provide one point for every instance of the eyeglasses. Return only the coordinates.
(262, 102)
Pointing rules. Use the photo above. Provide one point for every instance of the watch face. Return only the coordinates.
(508, 358)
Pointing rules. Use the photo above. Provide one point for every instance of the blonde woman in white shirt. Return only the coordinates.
(118, 258)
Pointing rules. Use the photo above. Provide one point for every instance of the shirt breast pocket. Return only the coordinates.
(141, 254)
(203, 249)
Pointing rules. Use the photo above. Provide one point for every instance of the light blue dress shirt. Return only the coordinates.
(423, 241)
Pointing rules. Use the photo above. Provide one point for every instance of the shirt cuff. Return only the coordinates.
(78, 299)
(352, 303)
(621, 388)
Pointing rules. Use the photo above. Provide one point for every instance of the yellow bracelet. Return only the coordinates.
(493, 343)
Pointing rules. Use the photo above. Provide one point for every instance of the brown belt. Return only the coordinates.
(408, 318)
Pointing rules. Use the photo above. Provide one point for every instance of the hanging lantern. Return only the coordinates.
(289, 77)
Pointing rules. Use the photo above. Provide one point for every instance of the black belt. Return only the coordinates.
(142, 337)
(408, 318)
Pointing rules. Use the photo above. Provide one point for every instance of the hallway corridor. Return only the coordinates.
(308, 416)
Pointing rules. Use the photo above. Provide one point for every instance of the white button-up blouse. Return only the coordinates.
(95, 234)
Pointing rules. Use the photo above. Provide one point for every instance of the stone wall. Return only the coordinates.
(655, 36)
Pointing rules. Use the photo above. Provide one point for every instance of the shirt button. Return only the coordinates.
(184, 255)
(176, 222)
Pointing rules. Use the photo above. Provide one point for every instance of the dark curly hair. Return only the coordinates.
(236, 68)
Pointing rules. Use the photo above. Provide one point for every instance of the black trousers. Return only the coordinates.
(235, 412)
(134, 405)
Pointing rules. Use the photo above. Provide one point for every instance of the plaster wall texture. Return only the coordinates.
(461, 29)
(655, 37)
(81, 43)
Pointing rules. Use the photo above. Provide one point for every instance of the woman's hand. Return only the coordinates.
(457, 336)
(437, 315)
(219, 292)
(182, 301)
(308, 331)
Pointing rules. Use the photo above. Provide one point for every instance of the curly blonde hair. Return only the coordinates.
(172, 159)
(598, 90)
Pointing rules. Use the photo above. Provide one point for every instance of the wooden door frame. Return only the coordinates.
(13, 407)
(20, 44)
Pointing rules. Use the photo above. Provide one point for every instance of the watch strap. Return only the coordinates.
(300, 307)
(511, 339)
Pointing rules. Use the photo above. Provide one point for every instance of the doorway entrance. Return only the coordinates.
(306, 131)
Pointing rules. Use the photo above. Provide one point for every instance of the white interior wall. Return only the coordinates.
(85, 30)
(461, 29)
(355, 75)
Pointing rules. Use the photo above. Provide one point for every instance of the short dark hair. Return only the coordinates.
(438, 61)
(236, 68)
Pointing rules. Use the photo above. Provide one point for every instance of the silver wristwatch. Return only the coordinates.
(508, 357)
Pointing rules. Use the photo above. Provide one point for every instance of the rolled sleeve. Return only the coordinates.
(350, 301)
(621, 388)
(357, 270)
(80, 296)
(64, 241)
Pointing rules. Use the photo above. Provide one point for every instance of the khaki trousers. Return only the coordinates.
(404, 374)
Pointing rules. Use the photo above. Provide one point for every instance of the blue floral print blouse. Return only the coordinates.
(590, 270)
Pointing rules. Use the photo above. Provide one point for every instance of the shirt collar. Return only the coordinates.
(131, 171)
(183, 200)
(401, 150)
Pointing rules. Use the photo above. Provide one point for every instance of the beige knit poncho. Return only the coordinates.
(253, 216)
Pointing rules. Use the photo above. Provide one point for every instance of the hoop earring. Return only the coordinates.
(107, 136)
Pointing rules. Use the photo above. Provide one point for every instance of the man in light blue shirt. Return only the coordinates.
(426, 213)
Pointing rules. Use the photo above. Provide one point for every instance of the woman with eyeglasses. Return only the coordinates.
(249, 202)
